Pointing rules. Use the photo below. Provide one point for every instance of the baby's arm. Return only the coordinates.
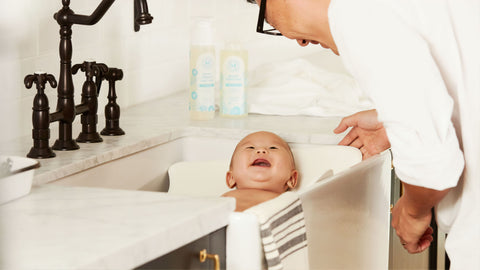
(247, 198)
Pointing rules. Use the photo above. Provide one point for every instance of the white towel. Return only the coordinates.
(297, 87)
(283, 232)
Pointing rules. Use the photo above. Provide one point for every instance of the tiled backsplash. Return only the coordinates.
(154, 60)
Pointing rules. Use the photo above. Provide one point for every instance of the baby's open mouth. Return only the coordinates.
(261, 162)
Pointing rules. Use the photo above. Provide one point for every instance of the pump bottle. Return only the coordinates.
(233, 70)
(202, 70)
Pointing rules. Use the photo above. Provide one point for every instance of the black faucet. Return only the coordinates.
(66, 110)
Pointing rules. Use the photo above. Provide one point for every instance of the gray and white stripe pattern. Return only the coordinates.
(283, 234)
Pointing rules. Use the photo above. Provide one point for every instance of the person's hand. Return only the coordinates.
(413, 230)
(367, 133)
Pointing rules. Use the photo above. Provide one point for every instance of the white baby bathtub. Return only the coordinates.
(345, 202)
(346, 213)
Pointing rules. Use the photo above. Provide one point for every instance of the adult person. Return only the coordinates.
(419, 62)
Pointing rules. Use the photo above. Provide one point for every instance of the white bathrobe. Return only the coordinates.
(419, 62)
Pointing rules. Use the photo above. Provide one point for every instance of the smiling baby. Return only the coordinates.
(262, 167)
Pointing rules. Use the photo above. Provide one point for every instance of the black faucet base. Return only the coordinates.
(89, 138)
(112, 127)
(112, 132)
(41, 153)
(65, 145)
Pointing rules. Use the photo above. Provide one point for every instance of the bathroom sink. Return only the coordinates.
(148, 170)
(345, 200)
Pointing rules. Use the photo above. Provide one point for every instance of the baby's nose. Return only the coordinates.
(262, 150)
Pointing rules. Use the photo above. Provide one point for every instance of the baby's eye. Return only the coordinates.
(250, 147)
(273, 147)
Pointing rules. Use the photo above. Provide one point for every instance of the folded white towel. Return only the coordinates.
(297, 87)
(283, 232)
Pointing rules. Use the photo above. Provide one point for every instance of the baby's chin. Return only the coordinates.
(256, 190)
(263, 184)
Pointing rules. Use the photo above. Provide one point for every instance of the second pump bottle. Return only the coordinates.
(233, 69)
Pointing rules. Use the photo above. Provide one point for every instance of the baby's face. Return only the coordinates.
(262, 160)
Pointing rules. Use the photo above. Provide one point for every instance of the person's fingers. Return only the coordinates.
(345, 123)
(342, 126)
(366, 155)
(371, 148)
(426, 238)
(421, 245)
(429, 231)
(357, 143)
(424, 243)
(351, 136)
(364, 152)
(418, 247)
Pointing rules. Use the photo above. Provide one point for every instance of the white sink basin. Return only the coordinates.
(347, 213)
(147, 170)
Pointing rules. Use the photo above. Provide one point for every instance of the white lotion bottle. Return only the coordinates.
(202, 70)
(233, 79)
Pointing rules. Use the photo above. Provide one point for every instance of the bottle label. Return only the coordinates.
(233, 86)
(202, 84)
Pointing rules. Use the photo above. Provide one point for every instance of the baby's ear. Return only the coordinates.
(230, 181)
(292, 182)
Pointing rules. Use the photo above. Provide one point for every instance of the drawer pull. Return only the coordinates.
(216, 259)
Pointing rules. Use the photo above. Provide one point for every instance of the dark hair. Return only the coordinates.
(251, 1)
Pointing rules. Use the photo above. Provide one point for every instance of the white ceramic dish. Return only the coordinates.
(16, 177)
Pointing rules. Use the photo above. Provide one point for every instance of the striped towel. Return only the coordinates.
(283, 233)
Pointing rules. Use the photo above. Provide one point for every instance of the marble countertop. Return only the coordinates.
(149, 124)
(72, 227)
(89, 228)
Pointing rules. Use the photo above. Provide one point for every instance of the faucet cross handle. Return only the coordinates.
(91, 69)
(40, 115)
(40, 79)
(100, 75)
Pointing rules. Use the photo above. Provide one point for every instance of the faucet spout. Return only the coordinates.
(66, 110)
(66, 15)
(140, 14)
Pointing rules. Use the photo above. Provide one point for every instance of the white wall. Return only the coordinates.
(154, 60)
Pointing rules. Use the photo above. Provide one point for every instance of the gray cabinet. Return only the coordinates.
(188, 256)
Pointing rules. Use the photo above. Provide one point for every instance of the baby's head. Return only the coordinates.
(262, 160)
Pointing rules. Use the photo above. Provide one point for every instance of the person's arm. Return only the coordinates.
(401, 76)
(412, 215)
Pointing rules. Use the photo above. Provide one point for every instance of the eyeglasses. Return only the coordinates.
(261, 21)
